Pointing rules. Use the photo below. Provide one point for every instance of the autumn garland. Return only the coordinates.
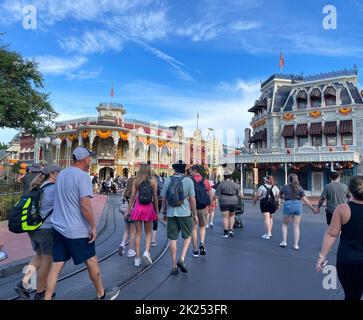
(103, 134)
(345, 111)
(315, 114)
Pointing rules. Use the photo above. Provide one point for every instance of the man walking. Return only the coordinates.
(179, 208)
(335, 193)
(204, 197)
(74, 226)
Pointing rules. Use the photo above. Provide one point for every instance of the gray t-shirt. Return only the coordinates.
(47, 204)
(335, 193)
(227, 192)
(67, 218)
(290, 194)
(188, 190)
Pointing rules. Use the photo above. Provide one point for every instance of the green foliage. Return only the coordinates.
(22, 104)
(3, 146)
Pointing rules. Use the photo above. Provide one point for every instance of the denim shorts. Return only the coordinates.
(292, 208)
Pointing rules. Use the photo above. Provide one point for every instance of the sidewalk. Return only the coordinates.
(18, 246)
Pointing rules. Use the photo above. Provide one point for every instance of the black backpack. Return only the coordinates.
(175, 193)
(201, 195)
(25, 216)
(145, 192)
(269, 199)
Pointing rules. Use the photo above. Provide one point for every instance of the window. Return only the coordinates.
(289, 142)
(317, 141)
(303, 141)
(346, 175)
(330, 100)
(315, 102)
(301, 103)
(347, 139)
(331, 140)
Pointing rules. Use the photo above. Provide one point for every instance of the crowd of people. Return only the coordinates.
(186, 201)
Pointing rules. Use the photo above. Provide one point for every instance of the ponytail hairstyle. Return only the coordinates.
(293, 181)
(37, 181)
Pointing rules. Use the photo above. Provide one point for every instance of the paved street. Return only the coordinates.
(246, 267)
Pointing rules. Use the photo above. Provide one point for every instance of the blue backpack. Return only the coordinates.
(201, 195)
(175, 193)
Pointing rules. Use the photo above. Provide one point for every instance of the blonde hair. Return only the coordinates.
(143, 175)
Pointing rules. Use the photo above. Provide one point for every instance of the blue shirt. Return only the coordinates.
(67, 218)
(189, 191)
(47, 204)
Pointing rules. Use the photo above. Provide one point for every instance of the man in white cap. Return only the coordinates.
(74, 226)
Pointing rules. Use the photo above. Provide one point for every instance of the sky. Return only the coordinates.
(170, 60)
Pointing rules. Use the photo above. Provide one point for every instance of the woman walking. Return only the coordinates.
(348, 222)
(144, 209)
(293, 193)
(268, 194)
(227, 193)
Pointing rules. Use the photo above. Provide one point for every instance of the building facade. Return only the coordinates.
(121, 144)
(307, 125)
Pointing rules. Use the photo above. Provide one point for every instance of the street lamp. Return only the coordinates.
(57, 143)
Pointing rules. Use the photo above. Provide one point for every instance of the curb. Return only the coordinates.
(17, 266)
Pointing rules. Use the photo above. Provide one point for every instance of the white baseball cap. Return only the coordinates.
(81, 153)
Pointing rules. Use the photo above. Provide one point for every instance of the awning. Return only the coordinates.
(330, 91)
(302, 130)
(330, 128)
(12, 149)
(316, 93)
(316, 129)
(24, 150)
(261, 103)
(288, 131)
(302, 95)
(346, 126)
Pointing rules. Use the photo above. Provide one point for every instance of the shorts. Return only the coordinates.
(228, 207)
(292, 208)
(77, 249)
(42, 241)
(329, 216)
(179, 224)
(202, 216)
(264, 207)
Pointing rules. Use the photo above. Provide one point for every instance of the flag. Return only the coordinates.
(112, 91)
(282, 61)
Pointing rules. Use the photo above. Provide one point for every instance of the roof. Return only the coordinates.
(3, 154)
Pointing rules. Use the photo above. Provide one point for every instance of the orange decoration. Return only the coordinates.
(72, 137)
(315, 114)
(345, 111)
(288, 116)
(22, 171)
(84, 134)
(123, 136)
(103, 134)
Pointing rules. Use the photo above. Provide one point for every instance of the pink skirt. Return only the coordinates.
(143, 212)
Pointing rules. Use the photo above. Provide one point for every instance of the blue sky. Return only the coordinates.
(171, 59)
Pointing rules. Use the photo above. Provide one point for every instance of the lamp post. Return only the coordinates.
(57, 143)
(44, 142)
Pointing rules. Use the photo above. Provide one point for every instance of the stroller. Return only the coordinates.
(238, 222)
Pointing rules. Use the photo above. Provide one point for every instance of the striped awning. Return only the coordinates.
(330, 128)
(330, 91)
(301, 95)
(316, 129)
(261, 103)
(316, 93)
(302, 130)
(288, 131)
(346, 126)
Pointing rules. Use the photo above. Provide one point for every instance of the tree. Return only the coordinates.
(22, 104)
(3, 146)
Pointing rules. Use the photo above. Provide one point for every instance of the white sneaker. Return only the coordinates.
(131, 253)
(137, 262)
(147, 258)
(266, 236)
(283, 244)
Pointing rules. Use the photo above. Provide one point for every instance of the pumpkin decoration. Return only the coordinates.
(315, 114)
(123, 136)
(288, 116)
(23, 166)
(22, 171)
(72, 137)
(103, 134)
(84, 134)
(345, 111)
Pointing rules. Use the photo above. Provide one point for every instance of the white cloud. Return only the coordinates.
(55, 66)
(97, 41)
(85, 75)
(244, 25)
(201, 31)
